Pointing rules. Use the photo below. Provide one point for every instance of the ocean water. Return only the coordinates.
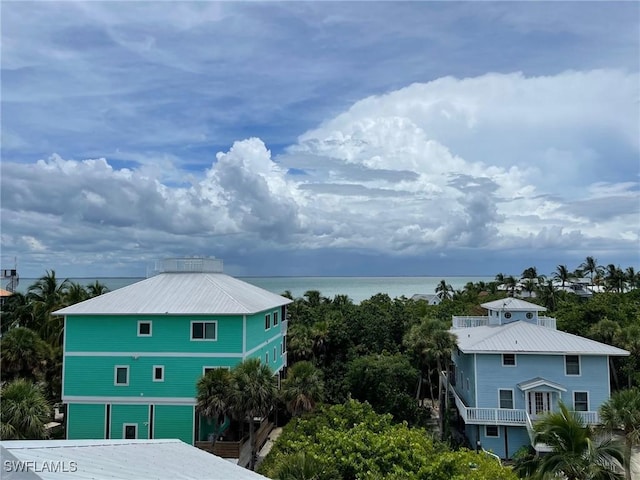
(357, 288)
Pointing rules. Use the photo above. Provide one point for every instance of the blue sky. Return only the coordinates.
(320, 138)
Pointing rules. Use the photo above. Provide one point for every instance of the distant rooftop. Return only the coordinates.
(190, 265)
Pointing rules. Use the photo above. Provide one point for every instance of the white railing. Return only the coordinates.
(499, 416)
(480, 416)
(470, 321)
(590, 418)
(547, 322)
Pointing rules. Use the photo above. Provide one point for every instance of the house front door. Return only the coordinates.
(538, 403)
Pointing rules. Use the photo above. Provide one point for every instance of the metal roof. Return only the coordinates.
(116, 460)
(512, 304)
(181, 294)
(524, 337)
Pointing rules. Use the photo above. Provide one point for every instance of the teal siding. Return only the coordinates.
(169, 334)
(85, 421)
(121, 414)
(94, 376)
(174, 421)
(256, 333)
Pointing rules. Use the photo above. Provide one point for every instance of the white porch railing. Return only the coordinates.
(470, 321)
(547, 322)
(480, 321)
(590, 418)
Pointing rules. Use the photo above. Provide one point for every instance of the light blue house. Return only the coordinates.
(514, 365)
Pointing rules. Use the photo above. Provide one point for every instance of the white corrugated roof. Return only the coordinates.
(181, 294)
(117, 460)
(523, 337)
(513, 304)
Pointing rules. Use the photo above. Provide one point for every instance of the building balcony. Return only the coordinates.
(284, 325)
(504, 416)
(481, 321)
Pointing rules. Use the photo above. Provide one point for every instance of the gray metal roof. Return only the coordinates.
(117, 460)
(524, 337)
(513, 304)
(181, 294)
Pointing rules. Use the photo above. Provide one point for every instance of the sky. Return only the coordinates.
(319, 138)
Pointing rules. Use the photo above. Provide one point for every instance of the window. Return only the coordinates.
(468, 384)
(506, 399)
(507, 315)
(266, 358)
(204, 331)
(284, 344)
(572, 364)
(130, 430)
(508, 359)
(529, 315)
(144, 329)
(581, 401)
(267, 321)
(274, 354)
(275, 318)
(158, 373)
(491, 431)
(121, 375)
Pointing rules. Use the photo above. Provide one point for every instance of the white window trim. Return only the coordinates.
(203, 331)
(115, 375)
(492, 436)
(274, 319)
(150, 328)
(275, 355)
(513, 398)
(124, 429)
(213, 367)
(265, 321)
(266, 358)
(574, 399)
(515, 360)
(153, 373)
(579, 366)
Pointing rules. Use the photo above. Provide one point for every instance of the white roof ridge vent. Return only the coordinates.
(191, 265)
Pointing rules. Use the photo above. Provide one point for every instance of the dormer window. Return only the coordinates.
(507, 315)
(529, 315)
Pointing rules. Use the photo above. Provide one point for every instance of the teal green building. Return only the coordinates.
(132, 357)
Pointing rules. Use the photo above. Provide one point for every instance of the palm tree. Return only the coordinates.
(622, 411)
(24, 355)
(510, 282)
(47, 295)
(444, 290)
(562, 273)
(214, 392)
(75, 293)
(300, 341)
(530, 273)
(500, 278)
(252, 396)
(615, 278)
(590, 266)
(25, 411)
(576, 451)
(546, 292)
(303, 388)
(301, 466)
(96, 289)
(629, 339)
(631, 277)
(432, 344)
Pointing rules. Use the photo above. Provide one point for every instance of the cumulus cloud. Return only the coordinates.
(497, 162)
